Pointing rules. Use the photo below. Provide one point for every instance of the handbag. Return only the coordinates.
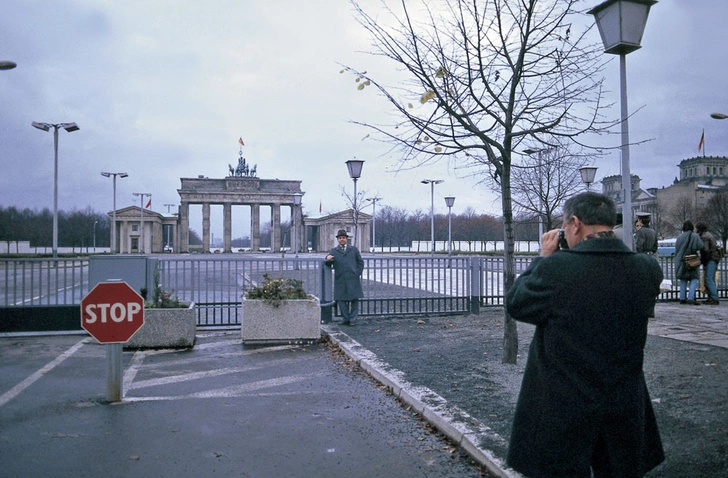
(692, 261)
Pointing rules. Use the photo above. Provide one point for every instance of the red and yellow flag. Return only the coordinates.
(241, 141)
(702, 142)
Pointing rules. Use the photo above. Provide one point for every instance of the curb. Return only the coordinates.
(462, 429)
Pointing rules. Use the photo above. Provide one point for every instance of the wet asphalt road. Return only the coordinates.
(217, 410)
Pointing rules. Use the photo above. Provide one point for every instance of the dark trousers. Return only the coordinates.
(349, 310)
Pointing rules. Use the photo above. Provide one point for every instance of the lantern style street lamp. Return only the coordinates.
(587, 175)
(432, 183)
(355, 166)
(113, 224)
(70, 127)
(449, 201)
(621, 24)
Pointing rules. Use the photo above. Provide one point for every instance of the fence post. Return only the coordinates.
(326, 300)
(476, 272)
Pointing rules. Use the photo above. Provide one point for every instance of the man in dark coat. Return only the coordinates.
(584, 401)
(645, 239)
(348, 267)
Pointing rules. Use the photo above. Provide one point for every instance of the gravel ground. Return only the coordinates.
(459, 358)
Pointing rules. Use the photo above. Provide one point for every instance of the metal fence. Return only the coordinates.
(393, 285)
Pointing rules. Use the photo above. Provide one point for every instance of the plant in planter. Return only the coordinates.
(279, 311)
(168, 322)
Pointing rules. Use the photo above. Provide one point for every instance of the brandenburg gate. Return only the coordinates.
(242, 187)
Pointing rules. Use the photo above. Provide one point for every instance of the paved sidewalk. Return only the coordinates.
(449, 369)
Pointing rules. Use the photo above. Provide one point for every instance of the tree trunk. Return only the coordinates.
(510, 331)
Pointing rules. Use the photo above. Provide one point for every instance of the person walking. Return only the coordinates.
(584, 406)
(710, 256)
(348, 266)
(645, 239)
(687, 243)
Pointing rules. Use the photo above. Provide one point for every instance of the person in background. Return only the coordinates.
(687, 243)
(710, 256)
(645, 239)
(584, 405)
(348, 266)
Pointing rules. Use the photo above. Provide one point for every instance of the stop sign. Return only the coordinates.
(112, 312)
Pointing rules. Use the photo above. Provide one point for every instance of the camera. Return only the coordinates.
(563, 245)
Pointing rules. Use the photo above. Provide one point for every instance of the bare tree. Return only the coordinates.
(544, 180)
(715, 215)
(483, 76)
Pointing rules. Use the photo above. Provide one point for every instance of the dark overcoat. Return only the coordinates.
(688, 242)
(348, 266)
(583, 380)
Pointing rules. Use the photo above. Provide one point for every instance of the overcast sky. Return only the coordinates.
(163, 90)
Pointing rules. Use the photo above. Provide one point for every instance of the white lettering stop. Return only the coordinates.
(117, 312)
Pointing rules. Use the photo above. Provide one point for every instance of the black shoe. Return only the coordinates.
(693, 302)
(683, 302)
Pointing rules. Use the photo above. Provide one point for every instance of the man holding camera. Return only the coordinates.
(584, 405)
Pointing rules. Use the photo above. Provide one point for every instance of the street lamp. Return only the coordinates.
(141, 206)
(432, 183)
(540, 188)
(374, 222)
(7, 65)
(355, 166)
(621, 24)
(70, 127)
(95, 222)
(718, 116)
(449, 201)
(113, 224)
(587, 175)
(296, 204)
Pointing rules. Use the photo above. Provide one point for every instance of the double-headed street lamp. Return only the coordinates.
(432, 183)
(449, 201)
(70, 127)
(374, 221)
(296, 206)
(355, 166)
(113, 224)
(141, 233)
(621, 24)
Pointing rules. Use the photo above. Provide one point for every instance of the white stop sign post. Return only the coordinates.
(112, 312)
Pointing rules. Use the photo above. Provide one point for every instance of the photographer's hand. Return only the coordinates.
(549, 242)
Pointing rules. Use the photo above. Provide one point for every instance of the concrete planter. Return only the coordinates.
(166, 328)
(294, 321)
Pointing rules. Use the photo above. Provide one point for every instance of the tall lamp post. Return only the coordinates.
(95, 222)
(113, 224)
(540, 188)
(587, 175)
(374, 222)
(70, 127)
(355, 166)
(621, 24)
(141, 222)
(432, 183)
(449, 201)
(296, 205)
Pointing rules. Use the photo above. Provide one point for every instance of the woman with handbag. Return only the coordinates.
(687, 244)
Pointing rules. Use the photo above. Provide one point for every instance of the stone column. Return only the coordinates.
(183, 238)
(255, 227)
(206, 227)
(275, 230)
(227, 215)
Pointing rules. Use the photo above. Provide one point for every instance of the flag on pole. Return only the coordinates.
(149, 204)
(321, 205)
(241, 141)
(702, 141)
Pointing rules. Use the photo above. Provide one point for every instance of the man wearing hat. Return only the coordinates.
(348, 267)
